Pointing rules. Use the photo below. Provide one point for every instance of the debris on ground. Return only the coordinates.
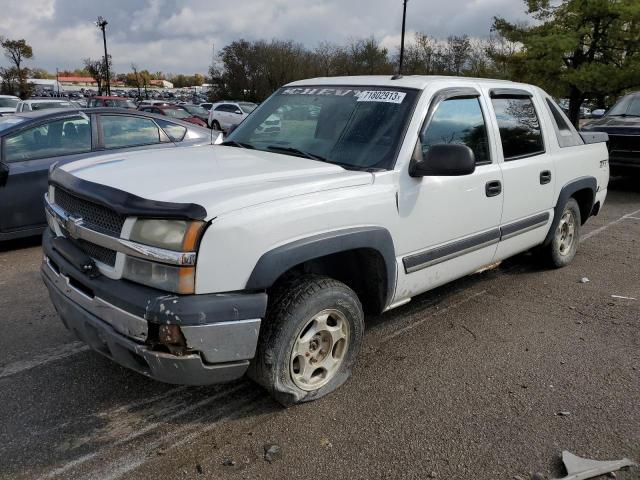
(563, 414)
(199, 469)
(623, 297)
(433, 474)
(227, 462)
(582, 468)
(271, 452)
(584, 280)
(324, 442)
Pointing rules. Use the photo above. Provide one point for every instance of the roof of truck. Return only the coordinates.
(406, 81)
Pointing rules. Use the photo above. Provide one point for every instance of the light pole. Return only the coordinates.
(101, 23)
(404, 17)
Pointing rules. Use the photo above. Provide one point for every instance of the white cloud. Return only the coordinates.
(176, 35)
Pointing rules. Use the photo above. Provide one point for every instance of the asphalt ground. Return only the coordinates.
(465, 382)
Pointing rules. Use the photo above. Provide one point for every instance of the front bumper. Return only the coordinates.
(220, 342)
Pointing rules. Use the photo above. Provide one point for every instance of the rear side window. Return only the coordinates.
(175, 132)
(123, 131)
(566, 135)
(459, 120)
(558, 119)
(53, 139)
(519, 126)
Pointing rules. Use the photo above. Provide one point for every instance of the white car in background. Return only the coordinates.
(37, 104)
(8, 104)
(271, 125)
(225, 114)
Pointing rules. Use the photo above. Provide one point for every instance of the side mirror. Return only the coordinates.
(238, 112)
(443, 159)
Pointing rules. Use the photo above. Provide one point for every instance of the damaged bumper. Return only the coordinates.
(114, 317)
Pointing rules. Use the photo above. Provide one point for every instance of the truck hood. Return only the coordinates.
(615, 125)
(219, 178)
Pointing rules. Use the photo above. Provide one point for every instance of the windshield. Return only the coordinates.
(8, 102)
(46, 105)
(6, 122)
(355, 127)
(628, 105)
(248, 107)
(176, 113)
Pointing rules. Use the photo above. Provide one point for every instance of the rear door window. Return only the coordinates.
(120, 131)
(519, 127)
(52, 139)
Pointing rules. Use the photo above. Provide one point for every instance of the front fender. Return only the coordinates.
(274, 263)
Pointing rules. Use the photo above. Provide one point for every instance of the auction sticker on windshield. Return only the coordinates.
(388, 96)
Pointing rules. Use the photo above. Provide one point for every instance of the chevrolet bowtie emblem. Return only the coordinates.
(72, 224)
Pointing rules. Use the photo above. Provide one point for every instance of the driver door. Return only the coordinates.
(451, 223)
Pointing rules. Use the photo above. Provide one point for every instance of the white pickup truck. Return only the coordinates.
(260, 255)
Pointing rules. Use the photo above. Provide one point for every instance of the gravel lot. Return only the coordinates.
(465, 382)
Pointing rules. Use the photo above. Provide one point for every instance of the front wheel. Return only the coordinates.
(309, 340)
(216, 126)
(564, 245)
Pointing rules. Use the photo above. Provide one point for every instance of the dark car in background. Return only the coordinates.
(112, 102)
(622, 123)
(173, 111)
(31, 142)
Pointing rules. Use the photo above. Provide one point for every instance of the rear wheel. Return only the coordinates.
(564, 245)
(309, 340)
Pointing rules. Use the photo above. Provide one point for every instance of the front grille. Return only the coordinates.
(94, 215)
(101, 254)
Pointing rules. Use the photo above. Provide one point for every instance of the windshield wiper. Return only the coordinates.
(301, 153)
(313, 156)
(233, 143)
(623, 115)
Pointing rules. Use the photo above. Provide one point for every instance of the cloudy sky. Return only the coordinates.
(177, 35)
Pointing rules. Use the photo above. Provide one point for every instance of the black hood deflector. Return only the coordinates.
(124, 203)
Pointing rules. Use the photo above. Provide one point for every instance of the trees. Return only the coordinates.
(96, 69)
(15, 77)
(578, 48)
(457, 52)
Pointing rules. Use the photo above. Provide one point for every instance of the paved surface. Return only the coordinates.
(462, 383)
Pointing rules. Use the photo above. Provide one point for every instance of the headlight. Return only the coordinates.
(157, 275)
(178, 235)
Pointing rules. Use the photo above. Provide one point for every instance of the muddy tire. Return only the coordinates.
(309, 339)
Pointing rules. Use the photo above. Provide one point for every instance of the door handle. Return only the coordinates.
(4, 174)
(545, 177)
(493, 188)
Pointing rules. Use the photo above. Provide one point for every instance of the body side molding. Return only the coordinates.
(433, 256)
(275, 262)
(522, 226)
